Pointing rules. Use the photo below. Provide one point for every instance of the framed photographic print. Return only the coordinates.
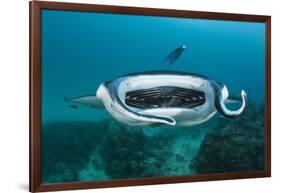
(123, 96)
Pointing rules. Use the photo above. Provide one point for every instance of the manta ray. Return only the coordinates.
(163, 98)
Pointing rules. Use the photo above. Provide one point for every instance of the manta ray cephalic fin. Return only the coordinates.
(233, 99)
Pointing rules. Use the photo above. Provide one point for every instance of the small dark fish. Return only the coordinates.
(174, 55)
(73, 106)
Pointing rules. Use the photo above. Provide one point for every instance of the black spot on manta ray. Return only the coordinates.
(165, 96)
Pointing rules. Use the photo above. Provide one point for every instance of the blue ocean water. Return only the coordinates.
(80, 50)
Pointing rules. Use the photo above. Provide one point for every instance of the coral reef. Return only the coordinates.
(235, 145)
(128, 153)
(67, 147)
(83, 151)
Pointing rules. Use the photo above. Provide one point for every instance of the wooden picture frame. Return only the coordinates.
(35, 94)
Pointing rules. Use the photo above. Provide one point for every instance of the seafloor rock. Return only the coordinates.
(123, 152)
(67, 148)
(128, 153)
(83, 151)
(235, 145)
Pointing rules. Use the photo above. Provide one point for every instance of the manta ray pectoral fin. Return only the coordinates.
(90, 100)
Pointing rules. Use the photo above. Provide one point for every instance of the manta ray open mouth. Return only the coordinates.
(164, 96)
